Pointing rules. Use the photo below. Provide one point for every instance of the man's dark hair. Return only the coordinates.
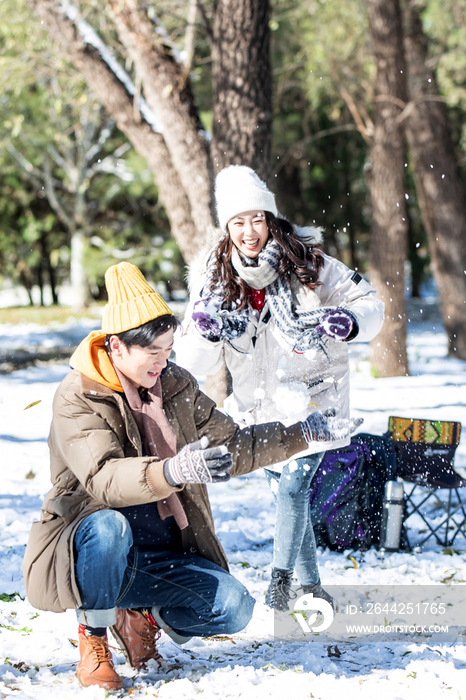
(146, 334)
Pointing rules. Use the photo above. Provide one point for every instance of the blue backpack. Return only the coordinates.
(347, 493)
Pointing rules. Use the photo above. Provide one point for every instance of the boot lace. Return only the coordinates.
(278, 593)
(149, 637)
(99, 648)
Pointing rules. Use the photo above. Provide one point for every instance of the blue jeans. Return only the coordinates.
(196, 597)
(294, 546)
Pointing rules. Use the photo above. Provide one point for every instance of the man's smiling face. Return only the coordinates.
(142, 366)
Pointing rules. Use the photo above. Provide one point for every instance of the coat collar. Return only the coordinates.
(90, 387)
(174, 379)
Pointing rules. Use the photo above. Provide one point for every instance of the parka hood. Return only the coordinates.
(92, 360)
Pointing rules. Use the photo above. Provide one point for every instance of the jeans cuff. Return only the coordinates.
(178, 638)
(97, 618)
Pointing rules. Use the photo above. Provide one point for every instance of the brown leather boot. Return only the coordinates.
(137, 636)
(95, 666)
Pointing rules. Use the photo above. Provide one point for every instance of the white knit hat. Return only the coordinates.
(239, 189)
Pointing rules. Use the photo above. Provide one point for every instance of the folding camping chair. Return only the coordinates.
(434, 491)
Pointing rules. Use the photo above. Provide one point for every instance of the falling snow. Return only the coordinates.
(38, 650)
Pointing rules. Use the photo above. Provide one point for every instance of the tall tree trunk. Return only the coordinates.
(48, 265)
(40, 283)
(119, 103)
(53, 281)
(78, 280)
(349, 212)
(242, 85)
(416, 263)
(169, 95)
(241, 103)
(26, 281)
(440, 189)
(389, 226)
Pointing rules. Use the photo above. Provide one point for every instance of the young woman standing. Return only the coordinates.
(280, 313)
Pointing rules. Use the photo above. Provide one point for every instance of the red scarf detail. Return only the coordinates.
(256, 298)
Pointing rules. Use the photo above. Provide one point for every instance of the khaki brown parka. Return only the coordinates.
(97, 462)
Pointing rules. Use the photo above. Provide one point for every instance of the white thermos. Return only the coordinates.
(392, 516)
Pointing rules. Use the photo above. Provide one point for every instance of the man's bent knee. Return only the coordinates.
(237, 607)
(109, 528)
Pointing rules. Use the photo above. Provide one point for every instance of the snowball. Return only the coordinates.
(292, 400)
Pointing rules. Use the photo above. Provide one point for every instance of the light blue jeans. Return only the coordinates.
(196, 597)
(294, 546)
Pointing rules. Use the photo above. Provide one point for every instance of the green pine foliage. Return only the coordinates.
(323, 75)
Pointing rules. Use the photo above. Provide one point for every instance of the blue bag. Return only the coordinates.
(347, 493)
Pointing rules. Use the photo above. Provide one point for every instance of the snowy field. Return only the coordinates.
(38, 653)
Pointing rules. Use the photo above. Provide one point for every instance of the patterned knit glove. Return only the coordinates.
(214, 323)
(196, 465)
(324, 427)
(338, 324)
(206, 318)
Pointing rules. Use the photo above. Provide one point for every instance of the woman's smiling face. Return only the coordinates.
(249, 232)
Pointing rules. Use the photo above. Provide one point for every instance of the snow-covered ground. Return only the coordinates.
(38, 651)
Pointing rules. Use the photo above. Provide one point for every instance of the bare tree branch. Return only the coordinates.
(205, 21)
(117, 98)
(162, 32)
(91, 38)
(365, 130)
(112, 165)
(105, 134)
(390, 98)
(407, 107)
(182, 130)
(189, 43)
(413, 103)
(33, 173)
(296, 151)
(53, 199)
(67, 165)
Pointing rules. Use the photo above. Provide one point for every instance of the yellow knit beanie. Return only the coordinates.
(131, 300)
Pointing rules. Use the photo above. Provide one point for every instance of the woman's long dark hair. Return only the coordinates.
(303, 260)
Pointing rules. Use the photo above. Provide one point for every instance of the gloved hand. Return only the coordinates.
(324, 427)
(206, 318)
(214, 323)
(337, 323)
(194, 464)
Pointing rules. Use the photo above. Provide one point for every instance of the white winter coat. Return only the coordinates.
(270, 381)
